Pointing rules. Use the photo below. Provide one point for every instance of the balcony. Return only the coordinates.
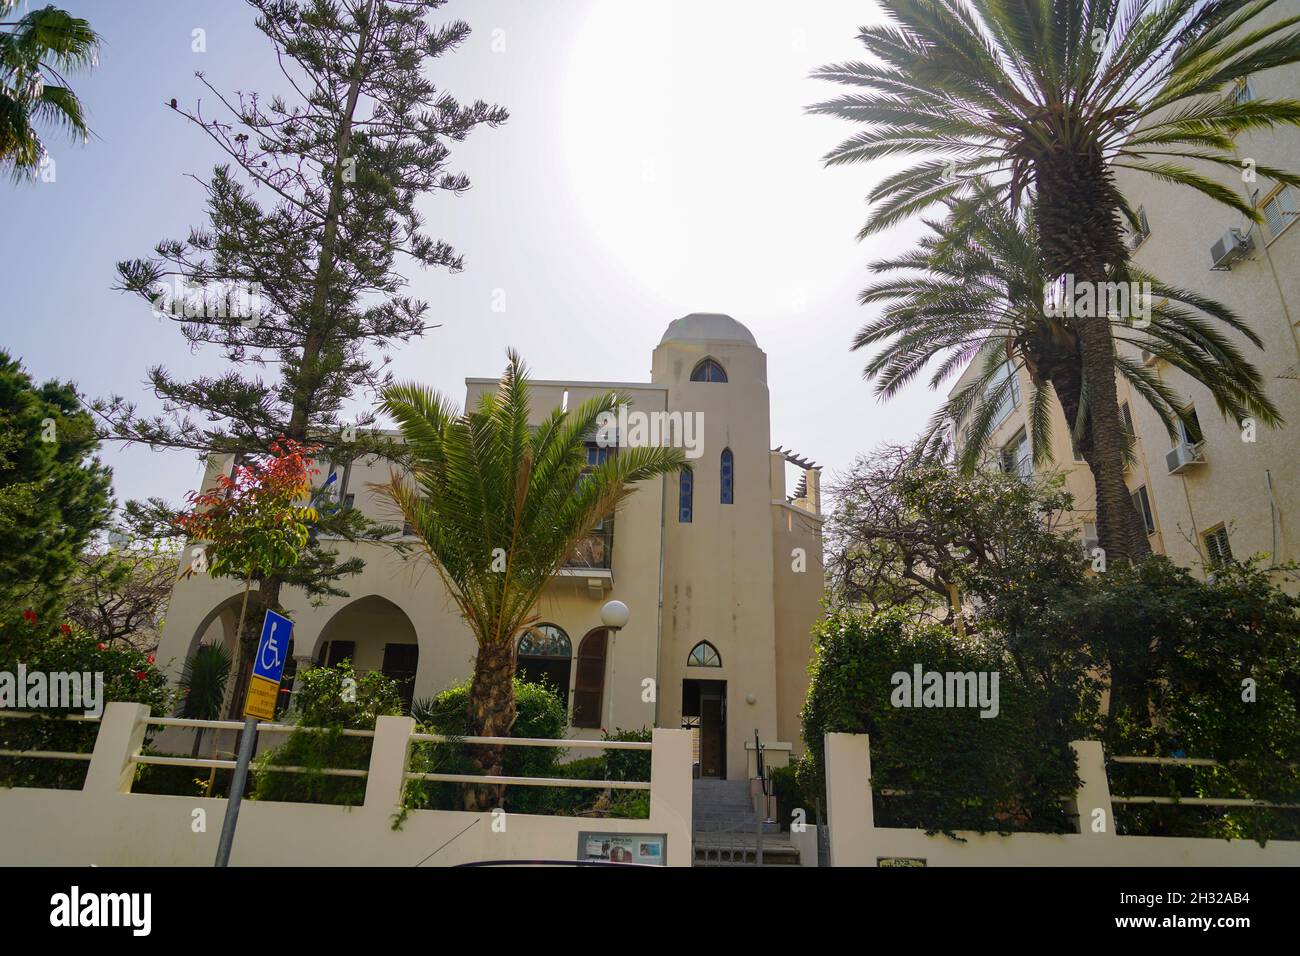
(594, 551)
(592, 561)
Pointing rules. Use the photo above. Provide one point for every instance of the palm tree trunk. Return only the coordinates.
(1079, 236)
(491, 714)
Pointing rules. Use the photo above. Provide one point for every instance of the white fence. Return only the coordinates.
(105, 824)
(855, 840)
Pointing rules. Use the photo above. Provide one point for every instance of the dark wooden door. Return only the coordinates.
(712, 755)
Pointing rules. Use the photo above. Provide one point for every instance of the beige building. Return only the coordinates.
(720, 566)
(1235, 488)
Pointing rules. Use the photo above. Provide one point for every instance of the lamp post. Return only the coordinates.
(614, 616)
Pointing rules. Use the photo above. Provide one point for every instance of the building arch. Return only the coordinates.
(375, 635)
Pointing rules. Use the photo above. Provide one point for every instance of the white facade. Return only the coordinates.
(745, 576)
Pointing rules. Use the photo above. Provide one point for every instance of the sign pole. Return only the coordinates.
(263, 693)
(246, 744)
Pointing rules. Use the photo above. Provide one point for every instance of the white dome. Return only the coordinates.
(707, 326)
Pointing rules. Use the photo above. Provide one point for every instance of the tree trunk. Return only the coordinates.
(491, 714)
(1076, 208)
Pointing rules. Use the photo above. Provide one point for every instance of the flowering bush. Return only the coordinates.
(49, 647)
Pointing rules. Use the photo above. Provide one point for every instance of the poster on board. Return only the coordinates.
(647, 849)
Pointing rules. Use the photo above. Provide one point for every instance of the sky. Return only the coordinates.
(658, 161)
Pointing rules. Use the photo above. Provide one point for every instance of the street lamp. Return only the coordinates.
(614, 616)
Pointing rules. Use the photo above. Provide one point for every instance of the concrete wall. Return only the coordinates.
(106, 825)
(855, 840)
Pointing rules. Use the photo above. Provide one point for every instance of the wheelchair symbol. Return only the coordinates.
(273, 650)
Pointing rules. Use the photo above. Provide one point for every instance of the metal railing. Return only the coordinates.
(532, 781)
(1191, 801)
(46, 754)
(209, 763)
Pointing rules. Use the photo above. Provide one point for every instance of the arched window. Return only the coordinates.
(704, 654)
(686, 496)
(728, 476)
(589, 688)
(546, 657)
(708, 371)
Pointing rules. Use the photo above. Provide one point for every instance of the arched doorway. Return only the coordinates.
(589, 687)
(375, 635)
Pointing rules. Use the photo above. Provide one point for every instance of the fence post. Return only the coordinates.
(849, 813)
(121, 735)
(1094, 791)
(389, 750)
(671, 791)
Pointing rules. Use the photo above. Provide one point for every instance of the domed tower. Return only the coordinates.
(718, 656)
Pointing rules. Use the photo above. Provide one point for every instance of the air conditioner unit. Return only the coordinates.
(1183, 456)
(1232, 245)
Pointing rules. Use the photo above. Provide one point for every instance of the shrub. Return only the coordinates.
(1221, 660)
(540, 713)
(958, 770)
(328, 699)
(628, 764)
(129, 675)
(790, 796)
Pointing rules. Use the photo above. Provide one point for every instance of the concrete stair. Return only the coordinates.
(726, 828)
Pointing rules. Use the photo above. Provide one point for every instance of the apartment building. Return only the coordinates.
(1222, 488)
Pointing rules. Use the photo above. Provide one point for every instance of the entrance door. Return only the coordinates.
(704, 711)
(713, 756)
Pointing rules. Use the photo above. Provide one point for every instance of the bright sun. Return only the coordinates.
(693, 158)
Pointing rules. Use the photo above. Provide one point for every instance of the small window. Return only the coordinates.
(708, 371)
(704, 654)
(1189, 431)
(1142, 502)
(728, 476)
(686, 496)
(1138, 235)
(349, 501)
(1217, 549)
(1280, 211)
(1010, 395)
(1016, 458)
(1242, 92)
(1126, 416)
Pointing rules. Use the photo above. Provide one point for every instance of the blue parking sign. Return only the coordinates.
(273, 647)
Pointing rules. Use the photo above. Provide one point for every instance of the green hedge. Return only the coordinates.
(959, 770)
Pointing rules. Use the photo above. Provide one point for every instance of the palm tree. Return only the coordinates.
(499, 506)
(203, 685)
(974, 288)
(1051, 97)
(34, 53)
